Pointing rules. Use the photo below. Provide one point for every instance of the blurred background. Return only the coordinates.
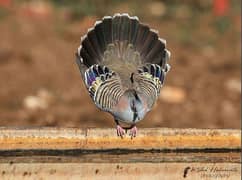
(41, 84)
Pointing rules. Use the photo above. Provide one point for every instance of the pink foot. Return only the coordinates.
(133, 132)
(120, 131)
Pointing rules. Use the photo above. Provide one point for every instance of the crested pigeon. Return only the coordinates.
(123, 64)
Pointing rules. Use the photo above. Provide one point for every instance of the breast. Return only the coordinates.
(122, 111)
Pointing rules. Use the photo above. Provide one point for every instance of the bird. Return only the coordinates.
(123, 64)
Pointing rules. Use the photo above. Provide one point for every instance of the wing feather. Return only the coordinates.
(150, 79)
(104, 86)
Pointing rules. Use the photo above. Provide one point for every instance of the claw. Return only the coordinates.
(120, 131)
(133, 132)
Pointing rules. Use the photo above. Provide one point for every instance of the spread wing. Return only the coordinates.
(149, 80)
(104, 86)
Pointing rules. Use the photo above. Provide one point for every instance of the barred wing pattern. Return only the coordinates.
(104, 86)
(150, 79)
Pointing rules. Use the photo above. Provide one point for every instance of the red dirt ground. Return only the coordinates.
(37, 57)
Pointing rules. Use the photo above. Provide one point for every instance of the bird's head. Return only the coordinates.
(131, 107)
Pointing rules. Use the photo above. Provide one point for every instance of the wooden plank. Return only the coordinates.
(154, 138)
(155, 145)
(157, 153)
(117, 171)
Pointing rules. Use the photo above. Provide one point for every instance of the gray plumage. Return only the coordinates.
(123, 63)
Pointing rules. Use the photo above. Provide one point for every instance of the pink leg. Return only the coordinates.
(120, 131)
(133, 132)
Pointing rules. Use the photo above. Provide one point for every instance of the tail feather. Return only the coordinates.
(92, 37)
(116, 22)
(165, 58)
(88, 59)
(124, 28)
(156, 49)
(134, 25)
(90, 49)
(149, 43)
(141, 37)
(107, 30)
(122, 31)
(98, 30)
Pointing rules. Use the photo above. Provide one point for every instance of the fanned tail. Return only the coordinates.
(123, 32)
